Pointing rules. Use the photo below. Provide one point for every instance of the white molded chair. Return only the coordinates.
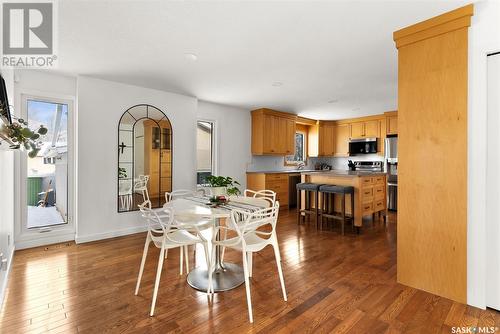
(249, 239)
(141, 186)
(125, 194)
(165, 233)
(268, 195)
(264, 194)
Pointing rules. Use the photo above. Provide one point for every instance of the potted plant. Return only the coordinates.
(20, 136)
(222, 185)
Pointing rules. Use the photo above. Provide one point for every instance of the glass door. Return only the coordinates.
(47, 173)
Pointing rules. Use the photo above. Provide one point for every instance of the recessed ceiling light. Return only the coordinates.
(355, 109)
(333, 101)
(277, 84)
(191, 56)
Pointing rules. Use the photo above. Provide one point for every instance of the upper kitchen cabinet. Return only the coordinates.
(368, 129)
(273, 132)
(326, 139)
(391, 120)
(341, 140)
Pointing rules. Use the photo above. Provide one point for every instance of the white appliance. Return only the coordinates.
(492, 195)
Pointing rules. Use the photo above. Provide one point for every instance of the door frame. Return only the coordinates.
(24, 237)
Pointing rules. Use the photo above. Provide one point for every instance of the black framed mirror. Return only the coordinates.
(144, 157)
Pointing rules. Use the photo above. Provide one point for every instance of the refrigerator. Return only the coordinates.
(391, 166)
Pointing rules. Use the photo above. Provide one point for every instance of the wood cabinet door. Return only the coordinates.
(392, 125)
(280, 135)
(290, 137)
(269, 135)
(357, 130)
(321, 140)
(372, 129)
(329, 140)
(341, 140)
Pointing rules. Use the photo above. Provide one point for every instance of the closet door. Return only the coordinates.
(492, 196)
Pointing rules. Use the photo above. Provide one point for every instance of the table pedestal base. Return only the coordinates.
(226, 278)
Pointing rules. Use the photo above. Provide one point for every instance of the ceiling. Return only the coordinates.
(334, 59)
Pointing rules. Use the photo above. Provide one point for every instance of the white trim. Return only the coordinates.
(3, 288)
(25, 238)
(43, 241)
(110, 234)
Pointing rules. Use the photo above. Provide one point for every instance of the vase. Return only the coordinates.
(218, 191)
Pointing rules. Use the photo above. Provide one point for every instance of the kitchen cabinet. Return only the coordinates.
(326, 140)
(368, 129)
(277, 182)
(273, 132)
(341, 140)
(392, 125)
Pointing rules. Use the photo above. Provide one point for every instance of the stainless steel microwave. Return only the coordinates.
(363, 146)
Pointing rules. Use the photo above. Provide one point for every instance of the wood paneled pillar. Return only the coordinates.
(432, 152)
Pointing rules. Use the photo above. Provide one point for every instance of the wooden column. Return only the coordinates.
(432, 151)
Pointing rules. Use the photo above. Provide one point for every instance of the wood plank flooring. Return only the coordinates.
(335, 284)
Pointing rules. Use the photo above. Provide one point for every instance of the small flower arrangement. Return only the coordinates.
(20, 136)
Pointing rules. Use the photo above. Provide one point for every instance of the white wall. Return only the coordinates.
(7, 194)
(100, 106)
(233, 127)
(484, 38)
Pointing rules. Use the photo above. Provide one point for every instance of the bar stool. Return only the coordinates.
(328, 197)
(308, 188)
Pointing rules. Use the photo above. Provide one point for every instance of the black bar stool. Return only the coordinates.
(328, 193)
(308, 188)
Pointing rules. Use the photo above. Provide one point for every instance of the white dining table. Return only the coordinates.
(226, 275)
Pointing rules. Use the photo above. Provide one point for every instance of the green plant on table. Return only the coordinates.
(224, 181)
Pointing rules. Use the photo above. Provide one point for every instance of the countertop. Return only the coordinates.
(334, 172)
(346, 173)
(286, 171)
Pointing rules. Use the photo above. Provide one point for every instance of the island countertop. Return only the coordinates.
(345, 173)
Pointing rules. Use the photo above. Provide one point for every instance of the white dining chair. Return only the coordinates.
(125, 194)
(249, 239)
(264, 194)
(165, 233)
(267, 195)
(141, 186)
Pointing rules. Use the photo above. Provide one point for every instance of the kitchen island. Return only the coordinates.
(370, 194)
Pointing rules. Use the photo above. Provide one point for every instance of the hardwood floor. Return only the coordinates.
(334, 284)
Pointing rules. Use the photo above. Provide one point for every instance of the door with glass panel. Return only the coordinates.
(47, 172)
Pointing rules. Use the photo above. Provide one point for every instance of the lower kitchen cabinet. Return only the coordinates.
(277, 182)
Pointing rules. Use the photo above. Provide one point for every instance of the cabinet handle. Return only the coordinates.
(367, 207)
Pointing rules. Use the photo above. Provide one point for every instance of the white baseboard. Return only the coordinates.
(41, 240)
(111, 234)
(6, 277)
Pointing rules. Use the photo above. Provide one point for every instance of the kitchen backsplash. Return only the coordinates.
(272, 163)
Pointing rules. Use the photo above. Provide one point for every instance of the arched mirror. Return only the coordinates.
(144, 157)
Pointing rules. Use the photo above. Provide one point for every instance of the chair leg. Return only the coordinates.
(250, 263)
(143, 261)
(223, 248)
(299, 206)
(278, 263)
(186, 256)
(211, 267)
(343, 212)
(157, 281)
(247, 286)
(181, 249)
(316, 204)
(166, 253)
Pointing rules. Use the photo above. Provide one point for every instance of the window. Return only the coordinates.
(204, 150)
(300, 150)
